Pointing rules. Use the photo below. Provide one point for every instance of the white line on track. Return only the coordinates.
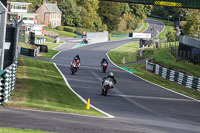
(57, 50)
(53, 112)
(153, 98)
(59, 45)
(55, 55)
(82, 99)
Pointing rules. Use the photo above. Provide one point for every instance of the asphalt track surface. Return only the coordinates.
(138, 106)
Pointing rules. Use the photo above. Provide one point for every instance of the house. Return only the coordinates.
(49, 14)
(19, 10)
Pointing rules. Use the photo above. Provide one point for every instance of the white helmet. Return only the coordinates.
(111, 74)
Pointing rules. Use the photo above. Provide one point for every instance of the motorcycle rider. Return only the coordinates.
(77, 61)
(110, 75)
(104, 61)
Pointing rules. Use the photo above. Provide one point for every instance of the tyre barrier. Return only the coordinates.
(7, 82)
(175, 76)
(28, 52)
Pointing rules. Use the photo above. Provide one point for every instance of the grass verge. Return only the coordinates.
(40, 86)
(15, 130)
(125, 52)
(166, 59)
(61, 33)
(51, 52)
(26, 45)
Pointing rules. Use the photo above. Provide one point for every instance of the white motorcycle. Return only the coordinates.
(107, 84)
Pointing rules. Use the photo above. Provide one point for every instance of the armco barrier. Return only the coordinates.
(8, 79)
(180, 78)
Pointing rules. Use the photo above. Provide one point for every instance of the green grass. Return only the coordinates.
(125, 54)
(48, 39)
(15, 130)
(163, 34)
(61, 33)
(51, 52)
(128, 51)
(26, 45)
(166, 59)
(40, 86)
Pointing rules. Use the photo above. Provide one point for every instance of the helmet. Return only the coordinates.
(111, 74)
(76, 58)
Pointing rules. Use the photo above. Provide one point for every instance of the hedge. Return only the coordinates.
(69, 29)
(60, 27)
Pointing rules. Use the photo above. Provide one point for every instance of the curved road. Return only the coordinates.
(138, 106)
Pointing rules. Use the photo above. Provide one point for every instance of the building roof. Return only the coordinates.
(52, 8)
(14, 2)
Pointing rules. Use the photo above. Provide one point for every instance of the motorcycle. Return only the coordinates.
(107, 84)
(74, 68)
(104, 67)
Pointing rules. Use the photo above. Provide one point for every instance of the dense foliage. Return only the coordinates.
(98, 15)
(192, 26)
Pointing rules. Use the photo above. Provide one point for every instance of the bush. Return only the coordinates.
(60, 28)
(69, 29)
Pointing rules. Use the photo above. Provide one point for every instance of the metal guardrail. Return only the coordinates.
(178, 77)
(190, 41)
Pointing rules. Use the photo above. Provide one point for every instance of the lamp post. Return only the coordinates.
(168, 27)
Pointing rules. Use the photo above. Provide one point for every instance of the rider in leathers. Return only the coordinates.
(111, 75)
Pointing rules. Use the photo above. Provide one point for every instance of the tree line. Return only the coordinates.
(99, 15)
(115, 16)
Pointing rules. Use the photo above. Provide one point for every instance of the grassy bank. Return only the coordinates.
(164, 57)
(163, 34)
(40, 86)
(125, 54)
(61, 33)
(15, 130)
(160, 57)
(26, 45)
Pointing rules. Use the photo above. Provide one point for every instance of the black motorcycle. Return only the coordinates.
(74, 68)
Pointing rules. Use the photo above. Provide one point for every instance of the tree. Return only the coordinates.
(110, 13)
(139, 13)
(192, 25)
(70, 12)
(90, 17)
